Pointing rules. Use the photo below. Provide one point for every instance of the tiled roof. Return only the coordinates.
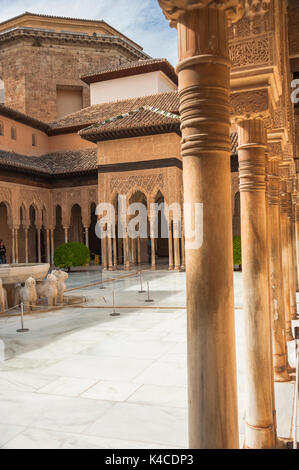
(142, 121)
(133, 68)
(99, 112)
(23, 118)
(53, 164)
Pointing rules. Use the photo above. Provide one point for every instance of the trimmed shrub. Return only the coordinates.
(71, 254)
(237, 251)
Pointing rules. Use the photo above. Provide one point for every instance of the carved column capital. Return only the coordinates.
(174, 10)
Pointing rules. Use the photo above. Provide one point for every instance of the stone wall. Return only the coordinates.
(33, 68)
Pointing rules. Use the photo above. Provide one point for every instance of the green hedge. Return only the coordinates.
(237, 251)
(71, 254)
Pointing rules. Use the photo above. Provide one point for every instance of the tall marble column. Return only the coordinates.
(86, 230)
(114, 248)
(66, 234)
(13, 246)
(183, 262)
(26, 245)
(52, 245)
(285, 251)
(126, 251)
(16, 245)
(48, 246)
(170, 245)
(204, 87)
(291, 242)
(138, 251)
(39, 250)
(276, 274)
(109, 246)
(152, 217)
(260, 430)
(176, 239)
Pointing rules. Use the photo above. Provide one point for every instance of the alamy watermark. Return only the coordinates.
(295, 93)
(137, 220)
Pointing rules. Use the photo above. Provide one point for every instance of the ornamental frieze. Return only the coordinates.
(255, 51)
(124, 184)
(250, 103)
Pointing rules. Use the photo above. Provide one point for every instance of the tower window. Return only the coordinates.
(13, 133)
(1, 129)
(34, 140)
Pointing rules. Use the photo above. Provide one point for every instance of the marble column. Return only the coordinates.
(86, 230)
(66, 234)
(52, 245)
(153, 249)
(285, 251)
(260, 432)
(204, 88)
(114, 248)
(48, 246)
(26, 245)
(39, 251)
(297, 239)
(13, 246)
(276, 274)
(138, 251)
(109, 246)
(183, 263)
(16, 245)
(294, 237)
(176, 239)
(291, 253)
(126, 252)
(170, 245)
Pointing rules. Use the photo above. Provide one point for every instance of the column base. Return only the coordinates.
(170, 268)
(280, 377)
(154, 268)
(127, 268)
(258, 437)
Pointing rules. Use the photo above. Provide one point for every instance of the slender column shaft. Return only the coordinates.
(138, 251)
(66, 234)
(170, 245)
(285, 259)
(87, 237)
(204, 82)
(26, 246)
(17, 245)
(39, 252)
(183, 264)
(276, 275)
(109, 242)
(48, 246)
(260, 410)
(52, 246)
(293, 300)
(177, 262)
(13, 246)
(153, 245)
(126, 252)
(114, 248)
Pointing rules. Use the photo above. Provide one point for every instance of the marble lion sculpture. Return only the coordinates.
(3, 298)
(61, 277)
(48, 289)
(27, 294)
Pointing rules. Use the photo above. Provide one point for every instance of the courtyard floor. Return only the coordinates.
(81, 378)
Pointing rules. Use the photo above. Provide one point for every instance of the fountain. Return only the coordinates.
(12, 274)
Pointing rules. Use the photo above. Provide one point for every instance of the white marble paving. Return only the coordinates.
(81, 379)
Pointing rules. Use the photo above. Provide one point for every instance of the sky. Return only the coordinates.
(141, 20)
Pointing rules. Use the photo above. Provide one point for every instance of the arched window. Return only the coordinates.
(34, 140)
(1, 92)
(13, 133)
(1, 128)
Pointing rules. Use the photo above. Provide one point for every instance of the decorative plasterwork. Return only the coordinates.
(124, 184)
(254, 51)
(175, 9)
(250, 103)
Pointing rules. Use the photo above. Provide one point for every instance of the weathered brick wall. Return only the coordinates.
(31, 73)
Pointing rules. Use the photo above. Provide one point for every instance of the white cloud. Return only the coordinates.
(140, 20)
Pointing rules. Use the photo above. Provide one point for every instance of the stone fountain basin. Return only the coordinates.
(12, 274)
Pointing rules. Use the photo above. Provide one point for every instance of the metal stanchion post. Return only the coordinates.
(101, 285)
(22, 330)
(141, 283)
(114, 313)
(148, 294)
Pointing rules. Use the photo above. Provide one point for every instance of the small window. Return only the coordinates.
(34, 144)
(13, 133)
(1, 129)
